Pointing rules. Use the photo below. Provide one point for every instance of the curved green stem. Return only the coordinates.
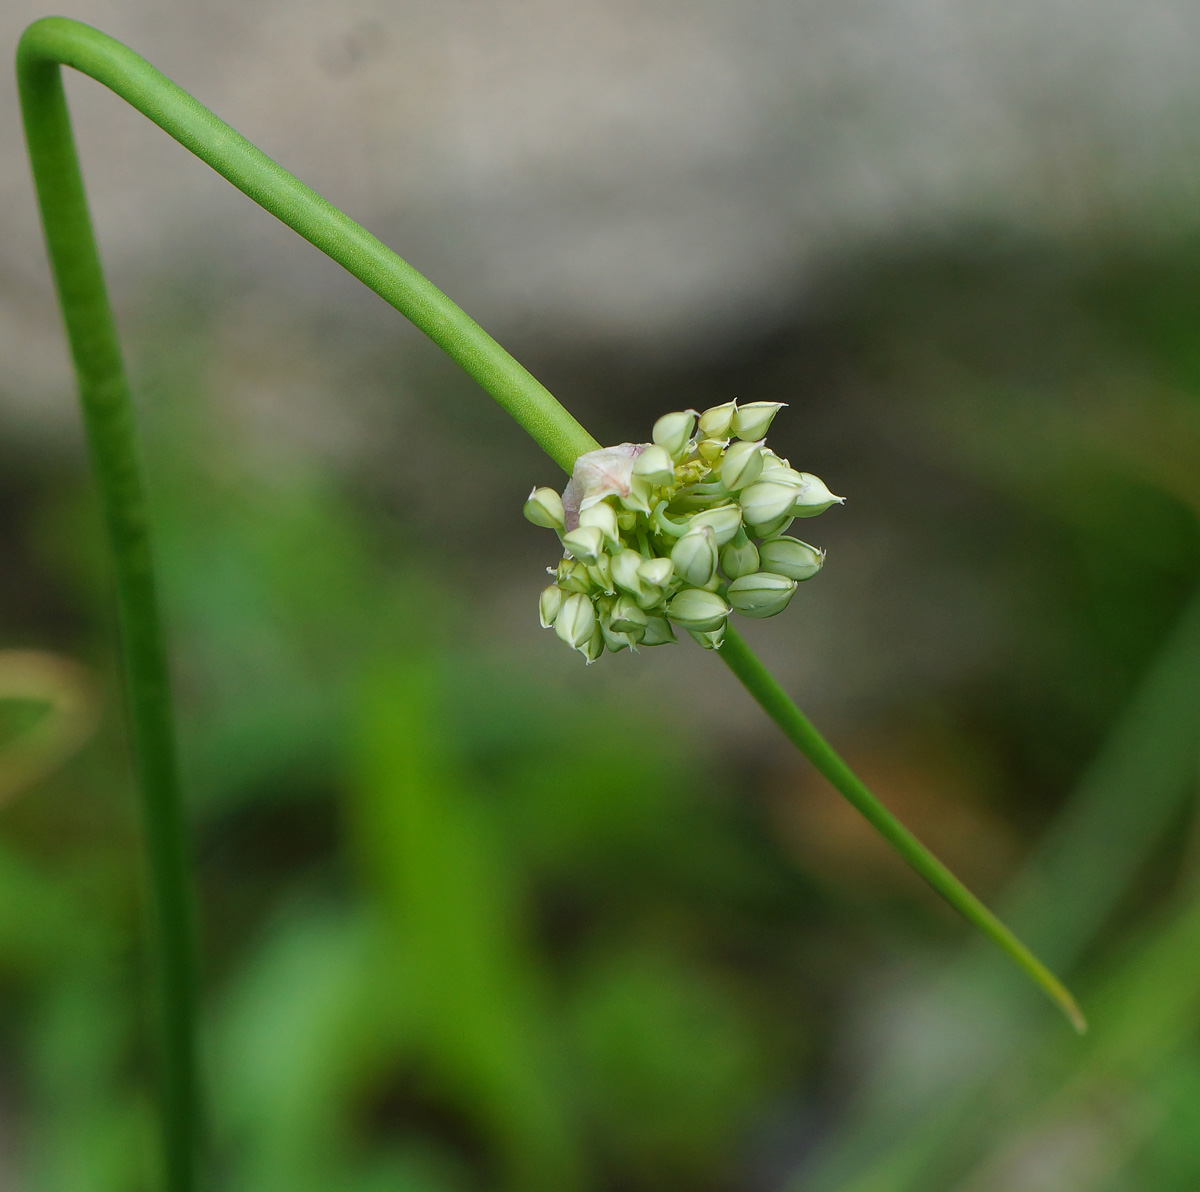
(56, 40)
(799, 730)
(108, 415)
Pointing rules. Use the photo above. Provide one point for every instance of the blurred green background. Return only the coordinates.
(477, 917)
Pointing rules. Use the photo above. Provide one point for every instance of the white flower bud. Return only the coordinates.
(616, 642)
(544, 507)
(753, 420)
(594, 646)
(781, 523)
(604, 518)
(710, 450)
(626, 565)
(711, 640)
(725, 521)
(715, 422)
(695, 556)
(765, 501)
(585, 543)
(576, 620)
(741, 465)
(658, 632)
(656, 572)
(814, 497)
(626, 617)
(549, 604)
(791, 557)
(655, 466)
(788, 475)
(573, 577)
(739, 557)
(674, 432)
(693, 608)
(772, 463)
(600, 573)
(761, 595)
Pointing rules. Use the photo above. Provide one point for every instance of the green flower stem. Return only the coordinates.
(56, 40)
(108, 414)
(798, 729)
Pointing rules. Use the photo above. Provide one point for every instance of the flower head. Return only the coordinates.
(661, 534)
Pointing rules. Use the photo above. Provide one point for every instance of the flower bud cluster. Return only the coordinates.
(662, 536)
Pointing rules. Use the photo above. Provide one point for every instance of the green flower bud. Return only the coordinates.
(549, 604)
(772, 463)
(785, 474)
(814, 497)
(585, 543)
(715, 422)
(544, 507)
(791, 557)
(658, 632)
(656, 572)
(576, 621)
(572, 576)
(695, 609)
(725, 520)
(753, 420)
(616, 642)
(594, 646)
(600, 573)
(710, 450)
(674, 432)
(765, 501)
(711, 640)
(655, 466)
(739, 557)
(626, 571)
(742, 465)
(695, 556)
(761, 595)
(604, 518)
(781, 523)
(626, 617)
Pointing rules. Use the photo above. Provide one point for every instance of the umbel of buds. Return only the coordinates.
(680, 532)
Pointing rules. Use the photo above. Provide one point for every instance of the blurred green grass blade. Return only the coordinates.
(1142, 776)
(298, 1035)
(435, 863)
(1136, 785)
(1145, 1011)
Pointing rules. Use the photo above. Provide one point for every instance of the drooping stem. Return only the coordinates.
(798, 729)
(108, 414)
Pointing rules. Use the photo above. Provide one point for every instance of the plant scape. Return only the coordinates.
(677, 533)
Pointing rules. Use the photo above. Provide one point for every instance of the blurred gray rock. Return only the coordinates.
(606, 171)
